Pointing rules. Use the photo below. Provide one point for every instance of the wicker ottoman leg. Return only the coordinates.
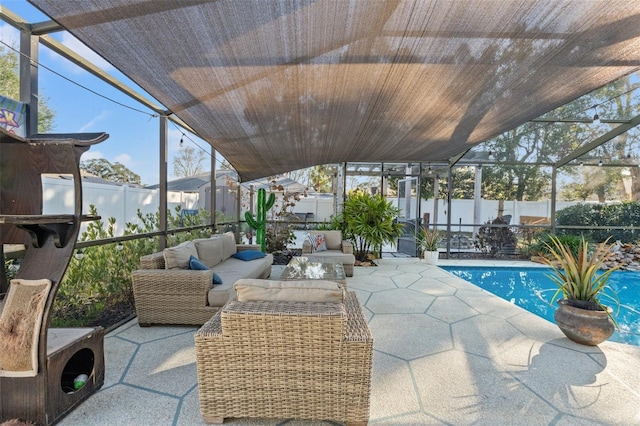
(213, 420)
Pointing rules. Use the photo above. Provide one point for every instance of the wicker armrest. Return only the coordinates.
(357, 329)
(152, 261)
(172, 281)
(347, 247)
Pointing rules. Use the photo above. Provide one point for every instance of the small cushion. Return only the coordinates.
(178, 257)
(210, 250)
(197, 265)
(333, 239)
(249, 290)
(247, 255)
(228, 245)
(318, 243)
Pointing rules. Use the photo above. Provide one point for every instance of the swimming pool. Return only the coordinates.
(531, 289)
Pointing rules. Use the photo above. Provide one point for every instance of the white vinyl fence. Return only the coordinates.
(122, 202)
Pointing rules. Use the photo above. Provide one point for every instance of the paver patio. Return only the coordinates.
(446, 352)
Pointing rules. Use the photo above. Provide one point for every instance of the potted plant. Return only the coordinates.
(581, 316)
(428, 241)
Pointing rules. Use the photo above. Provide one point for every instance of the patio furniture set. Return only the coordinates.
(298, 347)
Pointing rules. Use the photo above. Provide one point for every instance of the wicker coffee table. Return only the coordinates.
(310, 268)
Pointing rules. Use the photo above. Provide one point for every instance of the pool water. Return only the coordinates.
(532, 289)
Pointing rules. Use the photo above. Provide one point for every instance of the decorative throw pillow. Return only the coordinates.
(318, 242)
(210, 250)
(178, 257)
(247, 255)
(197, 265)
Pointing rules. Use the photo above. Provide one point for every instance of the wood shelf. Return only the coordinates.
(40, 226)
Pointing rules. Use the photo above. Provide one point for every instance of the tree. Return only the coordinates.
(188, 162)
(10, 87)
(320, 179)
(112, 172)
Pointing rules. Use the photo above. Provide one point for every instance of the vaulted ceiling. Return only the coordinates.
(281, 85)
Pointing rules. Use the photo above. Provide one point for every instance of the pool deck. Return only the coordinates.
(445, 353)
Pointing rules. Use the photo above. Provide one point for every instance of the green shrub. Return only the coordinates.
(98, 279)
(607, 215)
(493, 239)
(546, 240)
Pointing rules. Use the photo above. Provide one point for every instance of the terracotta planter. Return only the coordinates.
(431, 257)
(583, 322)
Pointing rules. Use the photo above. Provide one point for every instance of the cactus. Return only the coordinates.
(260, 222)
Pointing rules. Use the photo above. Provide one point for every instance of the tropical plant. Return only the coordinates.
(368, 221)
(580, 276)
(428, 239)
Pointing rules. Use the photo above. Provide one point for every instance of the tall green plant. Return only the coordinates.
(369, 221)
(260, 222)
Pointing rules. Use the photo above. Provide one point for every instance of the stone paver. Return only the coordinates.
(445, 352)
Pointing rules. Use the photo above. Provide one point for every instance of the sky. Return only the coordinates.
(133, 135)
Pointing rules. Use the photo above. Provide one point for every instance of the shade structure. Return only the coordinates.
(282, 85)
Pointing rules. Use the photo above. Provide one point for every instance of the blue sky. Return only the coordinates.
(133, 139)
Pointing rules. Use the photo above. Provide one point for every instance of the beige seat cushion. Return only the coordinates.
(178, 257)
(249, 290)
(20, 324)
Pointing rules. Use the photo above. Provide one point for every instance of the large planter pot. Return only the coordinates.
(431, 257)
(583, 322)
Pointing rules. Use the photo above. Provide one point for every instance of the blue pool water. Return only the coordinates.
(531, 289)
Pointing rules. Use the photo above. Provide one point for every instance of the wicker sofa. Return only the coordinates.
(284, 357)
(166, 291)
(336, 250)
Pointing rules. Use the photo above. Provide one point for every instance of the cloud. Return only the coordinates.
(125, 159)
(103, 116)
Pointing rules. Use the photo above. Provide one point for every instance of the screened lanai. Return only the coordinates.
(400, 89)
(277, 86)
(406, 89)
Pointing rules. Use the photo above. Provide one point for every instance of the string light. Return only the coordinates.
(600, 163)
(79, 254)
(596, 117)
(182, 141)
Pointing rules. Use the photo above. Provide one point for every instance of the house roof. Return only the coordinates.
(194, 183)
(282, 85)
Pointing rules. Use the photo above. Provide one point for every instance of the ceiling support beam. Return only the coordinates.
(635, 121)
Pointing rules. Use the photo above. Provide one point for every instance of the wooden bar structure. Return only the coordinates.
(63, 353)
